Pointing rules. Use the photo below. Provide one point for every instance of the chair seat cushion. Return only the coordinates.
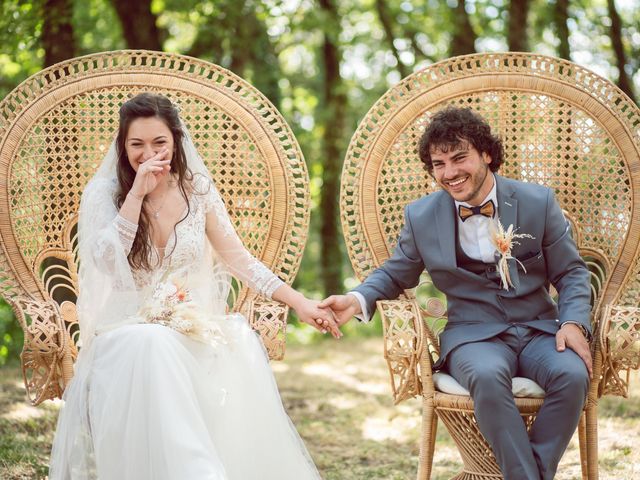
(521, 387)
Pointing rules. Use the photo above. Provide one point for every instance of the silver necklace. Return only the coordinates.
(155, 212)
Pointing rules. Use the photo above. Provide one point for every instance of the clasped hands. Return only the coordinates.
(330, 314)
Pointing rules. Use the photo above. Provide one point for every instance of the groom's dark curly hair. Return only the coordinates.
(454, 125)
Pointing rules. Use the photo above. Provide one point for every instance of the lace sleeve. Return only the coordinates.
(107, 290)
(106, 237)
(126, 232)
(228, 245)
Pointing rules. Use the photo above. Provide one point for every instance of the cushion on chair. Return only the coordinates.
(521, 387)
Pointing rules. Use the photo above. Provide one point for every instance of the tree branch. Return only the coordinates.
(385, 20)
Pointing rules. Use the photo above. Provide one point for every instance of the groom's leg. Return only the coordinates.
(565, 380)
(486, 369)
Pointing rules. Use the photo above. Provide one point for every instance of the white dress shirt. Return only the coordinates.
(475, 232)
(475, 239)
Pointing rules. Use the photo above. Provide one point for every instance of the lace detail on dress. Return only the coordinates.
(126, 231)
(104, 253)
(186, 248)
(262, 279)
(213, 201)
(244, 266)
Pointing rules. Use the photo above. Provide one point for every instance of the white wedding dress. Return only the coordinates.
(167, 385)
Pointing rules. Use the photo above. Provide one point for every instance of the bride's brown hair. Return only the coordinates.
(147, 105)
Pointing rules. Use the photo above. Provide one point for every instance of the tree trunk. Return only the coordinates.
(334, 120)
(59, 45)
(517, 37)
(207, 43)
(560, 18)
(57, 31)
(387, 25)
(264, 61)
(624, 82)
(238, 40)
(464, 37)
(138, 24)
(241, 41)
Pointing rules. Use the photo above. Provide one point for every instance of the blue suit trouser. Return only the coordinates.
(486, 369)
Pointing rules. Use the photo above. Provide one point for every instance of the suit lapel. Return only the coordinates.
(508, 215)
(446, 217)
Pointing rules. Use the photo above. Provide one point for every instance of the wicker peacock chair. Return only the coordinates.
(562, 126)
(54, 130)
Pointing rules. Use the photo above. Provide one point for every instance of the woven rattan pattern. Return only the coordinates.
(549, 142)
(562, 126)
(551, 136)
(55, 129)
(622, 338)
(42, 164)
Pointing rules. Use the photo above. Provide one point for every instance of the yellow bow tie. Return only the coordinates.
(487, 209)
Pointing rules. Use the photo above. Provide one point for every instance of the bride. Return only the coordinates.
(167, 385)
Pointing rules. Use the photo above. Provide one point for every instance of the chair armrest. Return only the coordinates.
(403, 346)
(619, 342)
(48, 352)
(269, 319)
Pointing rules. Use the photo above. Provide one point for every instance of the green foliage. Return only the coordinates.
(11, 335)
(277, 46)
(20, 52)
(96, 27)
(25, 432)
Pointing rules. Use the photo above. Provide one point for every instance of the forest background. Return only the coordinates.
(323, 63)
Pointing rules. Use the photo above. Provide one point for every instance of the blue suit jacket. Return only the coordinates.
(479, 308)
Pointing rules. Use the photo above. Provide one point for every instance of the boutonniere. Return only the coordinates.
(504, 241)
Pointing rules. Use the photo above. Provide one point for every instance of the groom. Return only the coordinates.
(502, 321)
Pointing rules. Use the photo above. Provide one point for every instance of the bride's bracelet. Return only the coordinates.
(135, 196)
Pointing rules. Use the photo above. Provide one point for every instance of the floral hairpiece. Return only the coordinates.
(504, 241)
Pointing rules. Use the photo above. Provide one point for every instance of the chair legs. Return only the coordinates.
(582, 436)
(428, 438)
(591, 431)
(588, 436)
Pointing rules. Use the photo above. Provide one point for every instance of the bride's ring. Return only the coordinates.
(319, 321)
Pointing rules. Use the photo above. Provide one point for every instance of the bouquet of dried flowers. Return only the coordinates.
(504, 241)
(171, 305)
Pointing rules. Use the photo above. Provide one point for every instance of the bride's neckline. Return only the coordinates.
(173, 232)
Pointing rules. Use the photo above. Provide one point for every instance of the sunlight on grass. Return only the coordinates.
(345, 377)
(20, 412)
(338, 396)
(385, 428)
(343, 402)
(279, 367)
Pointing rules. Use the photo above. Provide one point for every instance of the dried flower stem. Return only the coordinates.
(504, 241)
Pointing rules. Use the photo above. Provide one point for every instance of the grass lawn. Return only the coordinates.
(337, 394)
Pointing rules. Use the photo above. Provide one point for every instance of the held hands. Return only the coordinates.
(344, 307)
(570, 335)
(151, 172)
(322, 319)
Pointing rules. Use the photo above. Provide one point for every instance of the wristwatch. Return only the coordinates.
(583, 329)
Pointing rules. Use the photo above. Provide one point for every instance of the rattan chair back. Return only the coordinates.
(562, 126)
(54, 131)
